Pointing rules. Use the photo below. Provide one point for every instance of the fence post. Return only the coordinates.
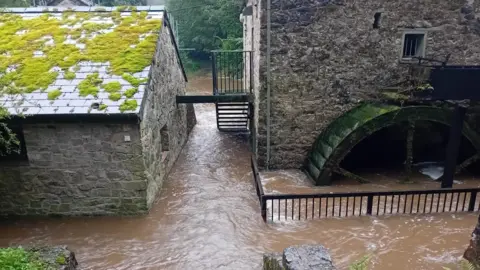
(214, 73)
(369, 205)
(473, 198)
(264, 208)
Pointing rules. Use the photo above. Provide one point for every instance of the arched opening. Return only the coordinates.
(374, 136)
(385, 151)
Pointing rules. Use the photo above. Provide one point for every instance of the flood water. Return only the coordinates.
(207, 216)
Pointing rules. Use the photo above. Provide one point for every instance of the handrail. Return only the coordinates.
(366, 193)
(256, 175)
(344, 204)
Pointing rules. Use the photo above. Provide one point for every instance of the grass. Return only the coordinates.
(20, 259)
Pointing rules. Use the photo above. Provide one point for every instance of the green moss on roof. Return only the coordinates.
(54, 94)
(130, 92)
(132, 80)
(115, 96)
(128, 47)
(90, 86)
(102, 107)
(129, 105)
(69, 75)
(112, 87)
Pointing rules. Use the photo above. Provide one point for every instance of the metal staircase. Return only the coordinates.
(231, 74)
(233, 116)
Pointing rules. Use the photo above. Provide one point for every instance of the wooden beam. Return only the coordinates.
(409, 146)
(348, 174)
(214, 98)
(453, 145)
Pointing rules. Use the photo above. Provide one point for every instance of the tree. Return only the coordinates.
(14, 3)
(204, 25)
(109, 3)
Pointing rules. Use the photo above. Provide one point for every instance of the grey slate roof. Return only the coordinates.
(69, 102)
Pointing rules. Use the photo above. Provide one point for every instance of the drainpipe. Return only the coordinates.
(268, 84)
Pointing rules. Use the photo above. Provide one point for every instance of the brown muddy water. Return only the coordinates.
(207, 217)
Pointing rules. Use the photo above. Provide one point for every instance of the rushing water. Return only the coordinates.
(207, 217)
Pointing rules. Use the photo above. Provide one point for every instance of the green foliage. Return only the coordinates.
(61, 260)
(189, 63)
(54, 94)
(129, 105)
(14, 3)
(110, 3)
(200, 23)
(20, 259)
(361, 264)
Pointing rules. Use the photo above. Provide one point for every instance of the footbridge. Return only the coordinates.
(232, 91)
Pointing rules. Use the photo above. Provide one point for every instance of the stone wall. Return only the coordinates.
(76, 169)
(326, 56)
(103, 167)
(251, 42)
(164, 122)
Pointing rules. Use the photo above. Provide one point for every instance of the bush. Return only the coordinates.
(20, 259)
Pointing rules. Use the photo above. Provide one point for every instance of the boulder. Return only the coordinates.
(472, 254)
(56, 257)
(303, 257)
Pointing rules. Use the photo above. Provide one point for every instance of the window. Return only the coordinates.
(18, 152)
(413, 45)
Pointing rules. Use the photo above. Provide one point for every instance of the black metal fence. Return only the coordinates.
(316, 206)
(232, 72)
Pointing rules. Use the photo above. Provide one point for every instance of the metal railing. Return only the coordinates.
(232, 72)
(326, 205)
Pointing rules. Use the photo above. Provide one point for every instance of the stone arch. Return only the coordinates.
(339, 138)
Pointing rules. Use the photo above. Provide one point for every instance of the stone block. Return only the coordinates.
(303, 257)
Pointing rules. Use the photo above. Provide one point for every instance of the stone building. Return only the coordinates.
(92, 100)
(316, 60)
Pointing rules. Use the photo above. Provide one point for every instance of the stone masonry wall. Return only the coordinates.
(164, 122)
(76, 169)
(251, 42)
(326, 56)
(103, 168)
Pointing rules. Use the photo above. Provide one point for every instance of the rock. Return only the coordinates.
(307, 257)
(57, 257)
(304, 257)
(472, 254)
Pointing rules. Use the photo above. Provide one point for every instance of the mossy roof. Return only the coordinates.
(76, 60)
